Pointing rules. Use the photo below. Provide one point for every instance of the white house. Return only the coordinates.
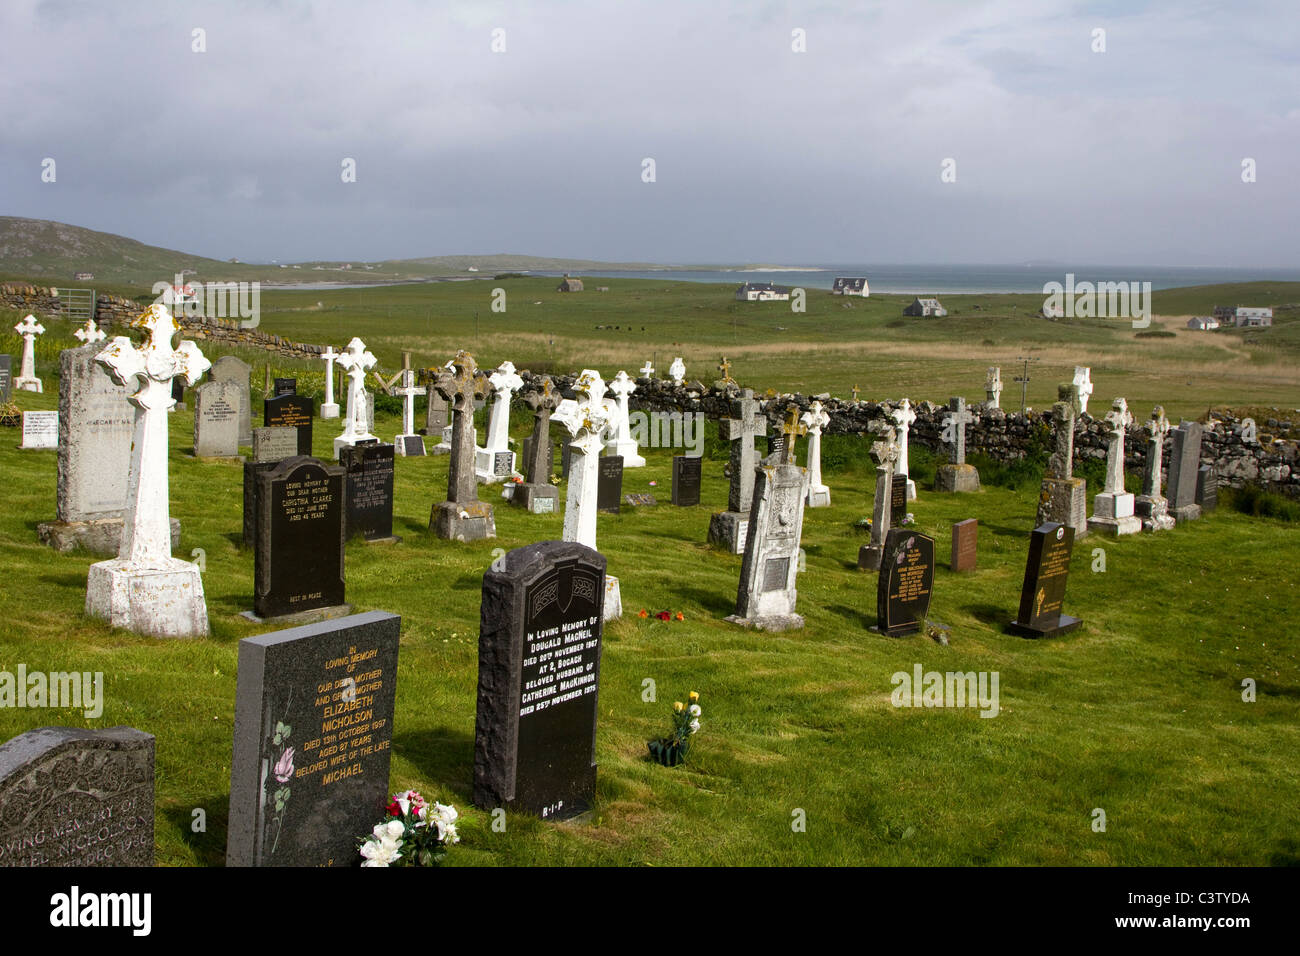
(1254, 318)
(925, 307)
(1203, 322)
(851, 286)
(762, 292)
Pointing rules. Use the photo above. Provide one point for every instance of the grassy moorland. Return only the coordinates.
(1140, 713)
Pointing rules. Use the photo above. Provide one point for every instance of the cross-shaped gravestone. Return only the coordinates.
(462, 516)
(587, 422)
(145, 589)
(1113, 509)
(1118, 420)
(1157, 428)
(409, 443)
(725, 368)
(746, 424)
(355, 360)
(886, 453)
(495, 461)
(790, 429)
(993, 387)
(1083, 386)
(954, 429)
(1064, 413)
(647, 370)
(856, 392)
(29, 328)
(620, 441)
(543, 400)
(330, 408)
(677, 370)
(814, 420)
(90, 333)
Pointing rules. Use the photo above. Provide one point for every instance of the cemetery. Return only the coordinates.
(295, 617)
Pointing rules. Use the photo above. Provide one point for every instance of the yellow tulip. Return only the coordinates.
(695, 696)
(677, 706)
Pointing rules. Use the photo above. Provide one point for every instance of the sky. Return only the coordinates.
(780, 133)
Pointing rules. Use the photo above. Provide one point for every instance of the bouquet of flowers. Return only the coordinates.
(415, 833)
(671, 751)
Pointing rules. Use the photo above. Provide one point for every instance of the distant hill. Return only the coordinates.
(53, 252)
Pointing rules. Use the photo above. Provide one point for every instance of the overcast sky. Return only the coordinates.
(762, 154)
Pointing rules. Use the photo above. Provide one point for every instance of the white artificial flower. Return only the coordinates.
(695, 726)
(447, 814)
(394, 830)
(450, 835)
(381, 852)
(695, 710)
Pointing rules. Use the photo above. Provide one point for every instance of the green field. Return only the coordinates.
(1139, 714)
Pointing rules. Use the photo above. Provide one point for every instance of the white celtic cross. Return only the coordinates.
(90, 333)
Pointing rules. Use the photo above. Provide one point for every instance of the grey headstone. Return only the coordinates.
(6, 377)
(1184, 460)
(767, 594)
(274, 442)
(216, 420)
(95, 431)
(228, 368)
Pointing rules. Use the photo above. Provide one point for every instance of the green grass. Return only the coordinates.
(1138, 713)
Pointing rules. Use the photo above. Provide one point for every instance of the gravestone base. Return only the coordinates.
(29, 385)
(391, 539)
(819, 497)
(154, 602)
(869, 557)
(769, 622)
(485, 466)
(472, 523)
(1187, 513)
(911, 490)
(98, 537)
(956, 478)
(1115, 527)
(329, 410)
(903, 630)
(728, 529)
(537, 499)
(613, 599)
(1064, 500)
(299, 618)
(626, 450)
(443, 447)
(1113, 515)
(1153, 510)
(1064, 625)
(340, 443)
(409, 446)
(217, 458)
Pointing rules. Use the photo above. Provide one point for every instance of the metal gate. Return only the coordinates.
(77, 304)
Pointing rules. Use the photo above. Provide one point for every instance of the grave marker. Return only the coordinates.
(29, 329)
(1151, 506)
(295, 411)
(1113, 508)
(228, 368)
(728, 528)
(537, 494)
(905, 583)
(688, 473)
(298, 563)
(609, 488)
(40, 430)
(1184, 460)
(329, 408)
(1042, 595)
(814, 420)
(369, 496)
(767, 594)
(965, 545)
(6, 377)
(216, 420)
(462, 517)
(956, 475)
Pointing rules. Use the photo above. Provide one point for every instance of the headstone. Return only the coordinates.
(620, 442)
(903, 416)
(1184, 460)
(814, 420)
(6, 377)
(29, 329)
(329, 408)
(298, 562)
(609, 485)
(897, 500)
(547, 457)
(495, 462)
(1113, 508)
(775, 448)
(296, 411)
(965, 544)
(462, 517)
(537, 494)
(178, 394)
(1063, 498)
(216, 420)
(1042, 595)
(369, 495)
(1083, 386)
(73, 797)
(993, 388)
(40, 430)
(274, 443)
(885, 452)
(539, 680)
(312, 741)
(956, 475)
(144, 589)
(409, 444)
(566, 458)
(1207, 489)
(228, 368)
(677, 371)
(729, 528)
(767, 594)
(1151, 506)
(358, 425)
(641, 500)
(905, 583)
(688, 473)
(436, 416)
(286, 386)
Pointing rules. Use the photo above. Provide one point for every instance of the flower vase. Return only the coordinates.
(668, 751)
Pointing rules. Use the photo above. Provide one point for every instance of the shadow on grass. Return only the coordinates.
(208, 847)
(853, 615)
(992, 615)
(711, 601)
(442, 756)
(71, 580)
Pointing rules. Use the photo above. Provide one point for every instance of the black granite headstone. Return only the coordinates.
(776, 446)
(313, 732)
(687, 476)
(1207, 488)
(539, 676)
(566, 458)
(294, 410)
(369, 489)
(609, 484)
(1042, 596)
(251, 470)
(286, 386)
(73, 797)
(412, 446)
(905, 583)
(298, 563)
(6, 377)
(897, 500)
(178, 391)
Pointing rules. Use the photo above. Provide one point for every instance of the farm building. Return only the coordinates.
(925, 307)
(1203, 323)
(569, 285)
(761, 292)
(851, 286)
(83, 276)
(1243, 317)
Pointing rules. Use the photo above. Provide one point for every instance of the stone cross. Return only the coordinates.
(647, 370)
(587, 423)
(146, 531)
(543, 400)
(814, 420)
(1118, 420)
(90, 333)
(29, 328)
(408, 390)
(356, 360)
(993, 387)
(856, 392)
(620, 441)
(725, 369)
(677, 370)
(1083, 385)
(330, 408)
(460, 388)
(903, 416)
(791, 428)
(505, 381)
(746, 424)
(1064, 412)
(886, 453)
(1156, 430)
(954, 425)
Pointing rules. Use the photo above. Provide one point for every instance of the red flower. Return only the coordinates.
(643, 613)
(394, 809)
(664, 616)
(681, 616)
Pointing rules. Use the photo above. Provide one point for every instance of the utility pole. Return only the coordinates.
(1023, 378)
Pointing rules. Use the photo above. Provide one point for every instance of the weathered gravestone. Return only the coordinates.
(1207, 489)
(295, 411)
(178, 394)
(369, 468)
(271, 446)
(767, 595)
(1184, 460)
(1042, 595)
(537, 494)
(1063, 498)
(1151, 506)
(228, 368)
(814, 420)
(495, 461)
(609, 484)
(462, 517)
(566, 457)
(216, 420)
(73, 797)
(96, 424)
(298, 563)
(312, 741)
(965, 545)
(688, 474)
(29, 329)
(729, 528)
(548, 454)
(641, 500)
(956, 475)
(1113, 508)
(538, 680)
(40, 431)
(286, 386)
(886, 453)
(6, 377)
(905, 583)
